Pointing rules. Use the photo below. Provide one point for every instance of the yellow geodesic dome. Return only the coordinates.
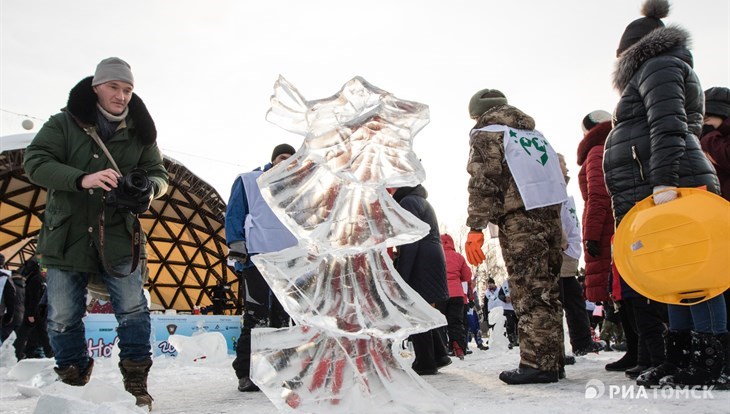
(186, 246)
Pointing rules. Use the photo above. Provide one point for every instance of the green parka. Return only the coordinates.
(61, 153)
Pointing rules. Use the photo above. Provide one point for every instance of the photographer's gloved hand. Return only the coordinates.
(145, 199)
(593, 248)
(237, 251)
(661, 196)
(473, 247)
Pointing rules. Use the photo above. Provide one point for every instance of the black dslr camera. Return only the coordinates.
(133, 193)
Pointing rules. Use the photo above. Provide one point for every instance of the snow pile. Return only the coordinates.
(205, 347)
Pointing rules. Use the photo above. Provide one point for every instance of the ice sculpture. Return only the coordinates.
(339, 284)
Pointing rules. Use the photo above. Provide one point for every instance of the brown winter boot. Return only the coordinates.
(135, 380)
(71, 375)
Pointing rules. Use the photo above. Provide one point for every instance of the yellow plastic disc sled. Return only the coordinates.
(677, 252)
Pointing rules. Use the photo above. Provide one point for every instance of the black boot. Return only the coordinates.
(706, 363)
(625, 362)
(246, 385)
(677, 345)
(629, 360)
(634, 372)
(528, 375)
(134, 374)
(71, 375)
(723, 383)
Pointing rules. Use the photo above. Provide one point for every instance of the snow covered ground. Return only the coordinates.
(209, 386)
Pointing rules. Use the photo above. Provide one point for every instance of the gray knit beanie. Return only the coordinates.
(485, 100)
(111, 69)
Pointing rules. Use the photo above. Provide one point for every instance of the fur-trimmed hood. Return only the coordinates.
(596, 136)
(657, 42)
(81, 106)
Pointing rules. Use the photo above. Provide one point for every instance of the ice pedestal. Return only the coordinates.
(316, 371)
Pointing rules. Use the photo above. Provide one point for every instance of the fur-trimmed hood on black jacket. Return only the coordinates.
(660, 41)
(82, 102)
(657, 122)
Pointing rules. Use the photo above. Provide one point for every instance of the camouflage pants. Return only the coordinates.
(612, 332)
(530, 242)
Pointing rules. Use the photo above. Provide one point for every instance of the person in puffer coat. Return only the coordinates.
(653, 149)
(598, 229)
(422, 266)
(457, 273)
(715, 142)
(597, 217)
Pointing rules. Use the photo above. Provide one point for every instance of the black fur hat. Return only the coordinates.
(717, 102)
(653, 11)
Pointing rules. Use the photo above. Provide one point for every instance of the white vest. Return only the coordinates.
(264, 231)
(505, 289)
(571, 228)
(534, 166)
(493, 299)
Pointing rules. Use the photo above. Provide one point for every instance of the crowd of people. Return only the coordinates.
(663, 134)
(100, 163)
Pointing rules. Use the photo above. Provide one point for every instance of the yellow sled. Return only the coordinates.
(678, 252)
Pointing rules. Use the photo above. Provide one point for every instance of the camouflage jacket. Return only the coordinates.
(492, 190)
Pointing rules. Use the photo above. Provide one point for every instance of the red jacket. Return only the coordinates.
(598, 221)
(457, 271)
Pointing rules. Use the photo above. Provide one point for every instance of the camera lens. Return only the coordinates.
(137, 180)
(136, 183)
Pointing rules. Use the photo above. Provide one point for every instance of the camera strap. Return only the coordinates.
(136, 226)
(91, 131)
(136, 245)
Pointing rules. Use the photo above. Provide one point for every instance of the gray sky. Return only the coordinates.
(206, 69)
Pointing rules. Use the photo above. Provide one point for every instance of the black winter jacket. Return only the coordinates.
(422, 264)
(657, 122)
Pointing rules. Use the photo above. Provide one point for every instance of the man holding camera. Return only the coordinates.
(99, 162)
(251, 228)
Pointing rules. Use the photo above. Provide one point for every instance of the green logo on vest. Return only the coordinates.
(526, 143)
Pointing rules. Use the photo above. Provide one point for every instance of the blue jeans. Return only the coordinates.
(67, 306)
(709, 316)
